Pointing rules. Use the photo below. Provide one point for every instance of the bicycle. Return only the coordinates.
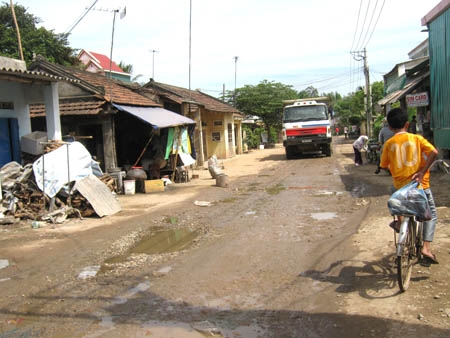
(410, 242)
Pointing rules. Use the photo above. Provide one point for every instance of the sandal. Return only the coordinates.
(395, 225)
(429, 259)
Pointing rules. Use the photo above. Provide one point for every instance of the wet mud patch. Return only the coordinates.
(160, 241)
(151, 246)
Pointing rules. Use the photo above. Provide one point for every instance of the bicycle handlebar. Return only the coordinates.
(445, 165)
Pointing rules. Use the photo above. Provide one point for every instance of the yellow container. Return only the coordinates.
(154, 186)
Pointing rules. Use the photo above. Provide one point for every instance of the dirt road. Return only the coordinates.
(297, 248)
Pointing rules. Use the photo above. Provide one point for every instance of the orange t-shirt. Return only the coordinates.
(405, 154)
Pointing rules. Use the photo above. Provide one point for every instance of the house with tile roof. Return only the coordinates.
(219, 125)
(110, 117)
(99, 63)
(19, 88)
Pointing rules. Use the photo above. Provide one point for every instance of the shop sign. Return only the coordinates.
(417, 99)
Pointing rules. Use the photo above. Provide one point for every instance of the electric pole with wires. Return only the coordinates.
(362, 56)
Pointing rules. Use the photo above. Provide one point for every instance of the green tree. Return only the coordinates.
(264, 100)
(350, 109)
(377, 95)
(127, 68)
(308, 92)
(54, 47)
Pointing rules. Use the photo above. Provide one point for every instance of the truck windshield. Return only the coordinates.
(305, 113)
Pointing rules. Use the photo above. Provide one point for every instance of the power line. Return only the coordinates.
(362, 29)
(370, 23)
(376, 22)
(367, 30)
(357, 24)
(328, 78)
(69, 30)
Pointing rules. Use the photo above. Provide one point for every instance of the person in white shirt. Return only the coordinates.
(358, 145)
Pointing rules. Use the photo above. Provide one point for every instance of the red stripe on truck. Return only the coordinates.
(306, 131)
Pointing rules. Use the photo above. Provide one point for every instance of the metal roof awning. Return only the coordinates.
(408, 88)
(156, 116)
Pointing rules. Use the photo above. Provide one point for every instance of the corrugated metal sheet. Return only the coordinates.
(99, 196)
(440, 79)
(410, 85)
(158, 117)
(442, 138)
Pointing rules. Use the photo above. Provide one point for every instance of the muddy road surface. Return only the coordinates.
(291, 248)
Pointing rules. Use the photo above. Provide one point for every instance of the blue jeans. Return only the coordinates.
(430, 226)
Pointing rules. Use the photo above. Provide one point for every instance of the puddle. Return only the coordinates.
(165, 241)
(324, 193)
(4, 263)
(323, 215)
(159, 243)
(89, 272)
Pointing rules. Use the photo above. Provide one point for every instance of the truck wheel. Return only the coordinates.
(328, 150)
(289, 152)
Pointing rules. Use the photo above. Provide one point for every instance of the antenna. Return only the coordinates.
(122, 15)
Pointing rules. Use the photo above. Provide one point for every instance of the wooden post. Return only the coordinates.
(174, 166)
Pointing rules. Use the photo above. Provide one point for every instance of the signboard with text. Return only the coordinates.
(417, 99)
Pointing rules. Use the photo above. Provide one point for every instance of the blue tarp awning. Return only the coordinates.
(156, 116)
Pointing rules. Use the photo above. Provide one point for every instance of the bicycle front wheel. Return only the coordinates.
(419, 240)
(405, 260)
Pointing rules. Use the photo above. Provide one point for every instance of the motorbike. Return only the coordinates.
(373, 151)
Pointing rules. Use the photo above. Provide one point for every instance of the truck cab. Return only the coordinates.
(306, 128)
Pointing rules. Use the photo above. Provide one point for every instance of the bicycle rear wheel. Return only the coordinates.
(405, 260)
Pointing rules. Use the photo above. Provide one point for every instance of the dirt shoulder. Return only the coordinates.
(427, 302)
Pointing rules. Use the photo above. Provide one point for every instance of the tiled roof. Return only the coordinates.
(31, 75)
(97, 84)
(114, 89)
(179, 95)
(92, 107)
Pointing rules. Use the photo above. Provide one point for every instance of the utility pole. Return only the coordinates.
(368, 96)
(19, 39)
(362, 56)
(122, 15)
(235, 75)
(153, 63)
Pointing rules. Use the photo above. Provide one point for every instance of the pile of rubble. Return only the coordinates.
(22, 199)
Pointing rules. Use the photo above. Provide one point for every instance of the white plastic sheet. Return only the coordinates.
(70, 162)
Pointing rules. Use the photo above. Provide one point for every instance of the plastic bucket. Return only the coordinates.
(129, 187)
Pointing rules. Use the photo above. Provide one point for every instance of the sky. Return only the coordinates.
(194, 43)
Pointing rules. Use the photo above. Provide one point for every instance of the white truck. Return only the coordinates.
(306, 127)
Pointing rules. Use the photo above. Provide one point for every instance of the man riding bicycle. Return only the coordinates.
(409, 157)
